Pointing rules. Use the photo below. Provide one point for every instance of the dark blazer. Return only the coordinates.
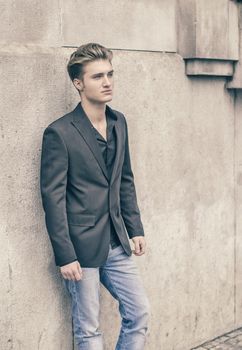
(79, 198)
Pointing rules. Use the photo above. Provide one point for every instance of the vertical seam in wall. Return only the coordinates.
(61, 22)
(228, 29)
(195, 5)
(176, 25)
(10, 313)
(235, 206)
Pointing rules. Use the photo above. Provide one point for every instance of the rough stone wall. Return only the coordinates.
(185, 148)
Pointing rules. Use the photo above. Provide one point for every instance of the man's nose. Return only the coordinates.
(106, 81)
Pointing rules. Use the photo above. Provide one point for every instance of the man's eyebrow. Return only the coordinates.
(101, 73)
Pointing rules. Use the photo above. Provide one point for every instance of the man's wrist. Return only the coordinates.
(136, 235)
(68, 263)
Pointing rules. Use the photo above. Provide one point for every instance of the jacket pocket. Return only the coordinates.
(81, 219)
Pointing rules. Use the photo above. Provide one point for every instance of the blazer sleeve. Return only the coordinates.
(128, 199)
(53, 181)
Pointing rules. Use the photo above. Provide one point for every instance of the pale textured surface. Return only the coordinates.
(238, 193)
(236, 82)
(30, 21)
(37, 307)
(182, 147)
(208, 29)
(5, 276)
(137, 25)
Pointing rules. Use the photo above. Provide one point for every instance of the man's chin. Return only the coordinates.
(107, 99)
(101, 101)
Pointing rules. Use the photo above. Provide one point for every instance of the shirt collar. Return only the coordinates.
(111, 118)
(110, 113)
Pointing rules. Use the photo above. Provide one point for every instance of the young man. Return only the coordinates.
(90, 204)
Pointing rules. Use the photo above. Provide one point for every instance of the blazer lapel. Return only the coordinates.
(118, 150)
(84, 126)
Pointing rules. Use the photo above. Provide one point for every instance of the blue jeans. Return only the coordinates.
(120, 276)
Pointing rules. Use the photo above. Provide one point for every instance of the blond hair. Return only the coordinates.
(84, 54)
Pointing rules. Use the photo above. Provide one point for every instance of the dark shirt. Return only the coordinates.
(108, 149)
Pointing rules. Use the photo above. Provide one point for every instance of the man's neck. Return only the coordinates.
(95, 112)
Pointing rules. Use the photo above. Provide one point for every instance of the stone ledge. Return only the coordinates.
(197, 67)
(236, 81)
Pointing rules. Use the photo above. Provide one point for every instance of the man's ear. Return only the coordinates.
(78, 83)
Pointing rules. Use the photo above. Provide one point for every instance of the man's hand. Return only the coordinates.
(72, 271)
(139, 245)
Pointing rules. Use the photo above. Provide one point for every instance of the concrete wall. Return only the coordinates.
(238, 202)
(185, 137)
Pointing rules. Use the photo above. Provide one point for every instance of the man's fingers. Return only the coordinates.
(77, 276)
(79, 268)
(137, 247)
(142, 247)
(66, 275)
(141, 251)
(137, 250)
(72, 271)
(74, 275)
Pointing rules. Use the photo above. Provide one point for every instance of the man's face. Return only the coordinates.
(96, 85)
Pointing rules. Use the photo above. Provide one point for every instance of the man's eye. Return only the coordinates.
(97, 77)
